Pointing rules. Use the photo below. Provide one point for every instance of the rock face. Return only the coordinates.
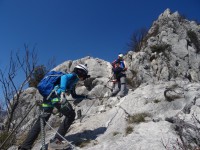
(96, 86)
(163, 110)
(170, 51)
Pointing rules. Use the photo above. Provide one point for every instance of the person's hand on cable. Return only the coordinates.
(63, 100)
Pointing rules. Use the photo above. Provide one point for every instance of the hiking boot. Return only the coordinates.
(58, 144)
(112, 95)
(121, 95)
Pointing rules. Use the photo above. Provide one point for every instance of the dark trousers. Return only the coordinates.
(69, 114)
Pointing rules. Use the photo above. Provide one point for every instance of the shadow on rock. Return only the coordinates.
(83, 138)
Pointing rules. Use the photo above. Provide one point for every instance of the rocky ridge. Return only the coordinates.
(162, 108)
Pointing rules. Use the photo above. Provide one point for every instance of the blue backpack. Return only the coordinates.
(46, 85)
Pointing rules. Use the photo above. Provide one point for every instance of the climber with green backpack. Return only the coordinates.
(53, 88)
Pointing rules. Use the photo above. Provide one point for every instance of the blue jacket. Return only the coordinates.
(67, 84)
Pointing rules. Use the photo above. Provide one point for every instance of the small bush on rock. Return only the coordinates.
(137, 118)
(129, 130)
(115, 133)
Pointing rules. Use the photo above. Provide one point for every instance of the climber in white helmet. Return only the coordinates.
(65, 84)
(119, 81)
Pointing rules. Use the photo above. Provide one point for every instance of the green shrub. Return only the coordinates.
(156, 101)
(129, 130)
(194, 39)
(137, 118)
(115, 133)
(37, 75)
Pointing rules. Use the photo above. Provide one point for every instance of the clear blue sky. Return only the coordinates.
(72, 29)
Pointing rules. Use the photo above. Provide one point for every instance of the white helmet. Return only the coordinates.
(81, 70)
(120, 55)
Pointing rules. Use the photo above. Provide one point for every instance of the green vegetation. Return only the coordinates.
(115, 133)
(156, 101)
(137, 118)
(37, 75)
(129, 130)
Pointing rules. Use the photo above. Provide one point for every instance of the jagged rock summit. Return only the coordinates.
(170, 51)
(162, 108)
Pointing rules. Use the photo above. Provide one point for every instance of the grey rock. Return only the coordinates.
(164, 79)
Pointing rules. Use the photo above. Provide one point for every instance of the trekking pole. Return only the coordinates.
(17, 126)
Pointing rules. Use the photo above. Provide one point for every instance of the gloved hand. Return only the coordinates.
(63, 100)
